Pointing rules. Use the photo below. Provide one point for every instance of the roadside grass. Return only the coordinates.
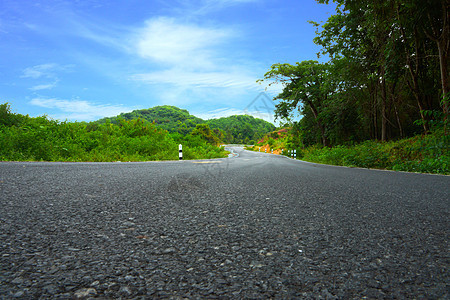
(423, 154)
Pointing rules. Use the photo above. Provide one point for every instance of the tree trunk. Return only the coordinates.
(319, 124)
(414, 69)
(375, 113)
(443, 62)
(383, 109)
(400, 128)
(441, 35)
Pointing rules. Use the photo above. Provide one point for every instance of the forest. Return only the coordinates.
(25, 138)
(387, 76)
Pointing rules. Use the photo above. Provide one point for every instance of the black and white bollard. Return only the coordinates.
(180, 150)
(295, 154)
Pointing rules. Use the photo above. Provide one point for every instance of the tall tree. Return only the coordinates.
(305, 88)
(433, 16)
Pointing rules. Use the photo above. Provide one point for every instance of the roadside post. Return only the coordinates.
(295, 154)
(180, 150)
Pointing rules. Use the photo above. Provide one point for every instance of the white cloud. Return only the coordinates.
(106, 34)
(224, 3)
(226, 112)
(165, 40)
(45, 71)
(219, 113)
(261, 107)
(187, 79)
(38, 71)
(191, 56)
(44, 86)
(79, 110)
(229, 2)
(204, 7)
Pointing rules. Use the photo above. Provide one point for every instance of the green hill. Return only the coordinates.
(239, 129)
(170, 118)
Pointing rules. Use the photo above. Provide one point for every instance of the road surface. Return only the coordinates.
(252, 226)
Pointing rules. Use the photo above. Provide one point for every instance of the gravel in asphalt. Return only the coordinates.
(253, 226)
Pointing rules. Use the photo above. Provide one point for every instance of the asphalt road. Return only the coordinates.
(252, 226)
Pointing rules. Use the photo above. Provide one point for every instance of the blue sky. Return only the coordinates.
(82, 60)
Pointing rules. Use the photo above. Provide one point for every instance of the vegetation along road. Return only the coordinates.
(252, 226)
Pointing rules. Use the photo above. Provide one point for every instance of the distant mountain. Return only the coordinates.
(234, 129)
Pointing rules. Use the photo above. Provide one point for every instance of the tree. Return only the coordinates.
(305, 87)
(8, 118)
(432, 17)
(204, 132)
